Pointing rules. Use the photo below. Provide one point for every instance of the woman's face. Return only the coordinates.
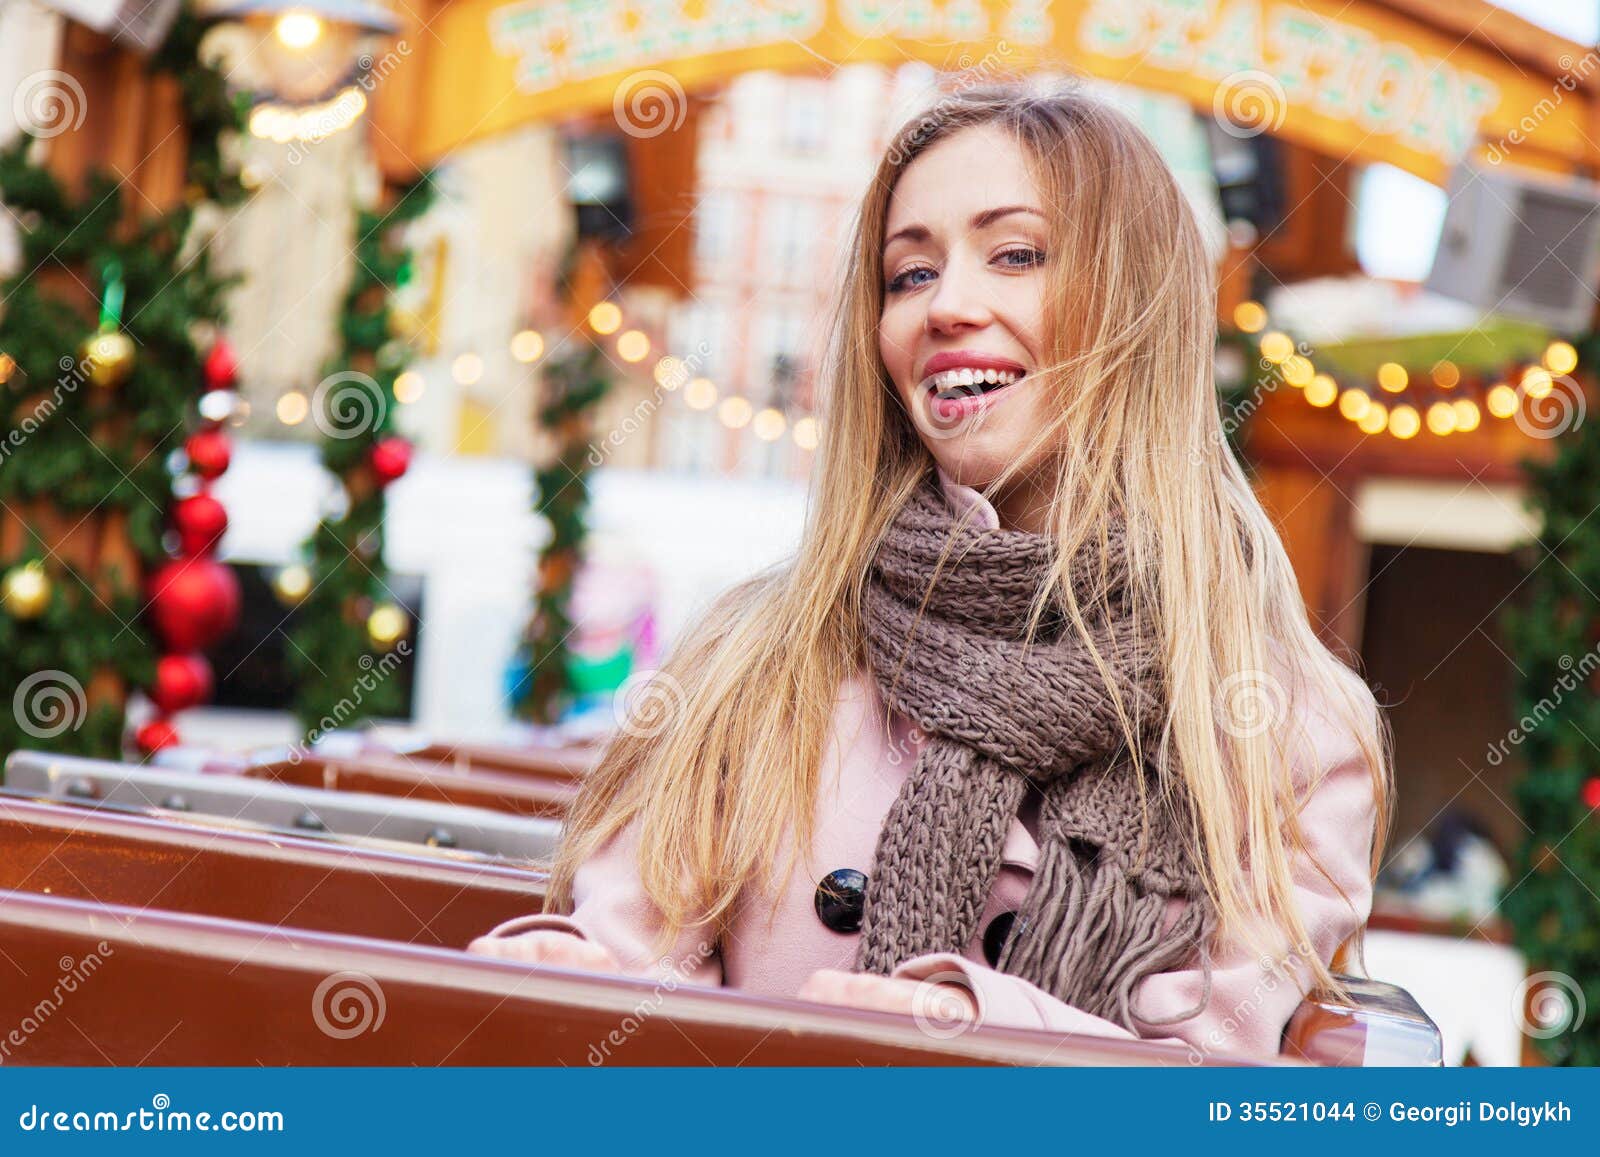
(964, 299)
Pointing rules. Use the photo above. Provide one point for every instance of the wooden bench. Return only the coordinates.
(523, 795)
(158, 988)
(168, 863)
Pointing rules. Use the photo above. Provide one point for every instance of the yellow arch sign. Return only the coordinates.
(1352, 79)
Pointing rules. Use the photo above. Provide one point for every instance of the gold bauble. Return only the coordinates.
(387, 625)
(26, 591)
(108, 358)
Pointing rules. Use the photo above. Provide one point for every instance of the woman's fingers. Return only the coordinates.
(545, 946)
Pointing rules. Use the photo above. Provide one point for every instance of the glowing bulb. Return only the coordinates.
(1446, 375)
(467, 369)
(1467, 416)
(1442, 418)
(670, 372)
(805, 433)
(1392, 377)
(734, 411)
(1404, 422)
(1322, 390)
(1560, 357)
(292, 584)
(769, 424)
(605, 317)
(632, 346)
(527, 346)
(1502, 401)
(293, 408)
(298, 29)
(700, 394)
(1536, 382)
(1250, 316)
(408, 387)
(1276, 347)
(1375, 420)
(1354, 403)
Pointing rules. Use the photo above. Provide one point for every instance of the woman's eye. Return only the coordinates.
(898, 282)
(1029, 257)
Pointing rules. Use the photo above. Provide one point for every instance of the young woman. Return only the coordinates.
(1033, 729)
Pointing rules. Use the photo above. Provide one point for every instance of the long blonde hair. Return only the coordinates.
(732, 776)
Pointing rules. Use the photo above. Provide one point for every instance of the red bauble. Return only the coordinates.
(208, 451)
(181, 681)
(222, 365)
(390, 458)
(194, 602)
(200, 521)
(1591, 793)
(155, 735)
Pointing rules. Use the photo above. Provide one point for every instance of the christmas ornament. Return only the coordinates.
(181, 681)
(200, 521)
(209, 452)
(108, 358)
(1591, 793)
(155, 735)
(390, 458)
(25, 592)
(194, 602)
(222, 365)
(387, 625)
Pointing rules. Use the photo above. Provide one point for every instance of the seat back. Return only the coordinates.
(1379, 1025)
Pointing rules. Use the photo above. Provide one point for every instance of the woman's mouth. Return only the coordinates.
(959, 393)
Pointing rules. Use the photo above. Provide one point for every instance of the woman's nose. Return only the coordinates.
(957, 300)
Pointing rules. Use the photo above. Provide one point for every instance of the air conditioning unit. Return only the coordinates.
(138, 24)
(1521, 244)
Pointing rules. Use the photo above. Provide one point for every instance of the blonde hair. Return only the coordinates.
(733, 775)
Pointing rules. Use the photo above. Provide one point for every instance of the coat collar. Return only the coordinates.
(962, 497)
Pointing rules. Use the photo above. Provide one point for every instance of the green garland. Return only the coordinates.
(1553, 633)
(48, 455)
(332, 657)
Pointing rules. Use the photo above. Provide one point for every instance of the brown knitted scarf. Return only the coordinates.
(1002, 720)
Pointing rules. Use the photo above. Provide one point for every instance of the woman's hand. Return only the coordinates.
(932, 1000)
(547, 946)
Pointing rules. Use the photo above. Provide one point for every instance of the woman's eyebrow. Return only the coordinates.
(979, 221)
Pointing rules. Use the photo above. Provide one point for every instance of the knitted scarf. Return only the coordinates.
(1003, 720)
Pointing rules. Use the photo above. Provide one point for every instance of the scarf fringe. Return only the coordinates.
(1093, 946)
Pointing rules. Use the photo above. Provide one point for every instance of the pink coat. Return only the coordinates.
(863, 768)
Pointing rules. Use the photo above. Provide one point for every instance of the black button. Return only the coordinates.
(994, 937)
(841, 897)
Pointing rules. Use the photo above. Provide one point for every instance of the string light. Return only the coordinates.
(1537, 382)
(769, 424)
(467, 369)
(1404, 421)
(1322, 390)
(1375, 420)
(408, 387)
(1502, 401)
(1441, 418)
(1446, 374)
(670, 372)
(1250, 316)
(1354, 403)
(527, 346)
(633, 346)
(805, 433)
(298, 29)
(1277, 347)
(1560, 357)
(734, 412)
(700, 394)
(1467, 416)
(1392, 376)
(293, 408)
(605, 317)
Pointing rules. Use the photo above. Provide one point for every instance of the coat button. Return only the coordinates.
(840, 899)
(995, 936)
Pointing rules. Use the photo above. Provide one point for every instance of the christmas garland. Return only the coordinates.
(101, 350)
(347, 618)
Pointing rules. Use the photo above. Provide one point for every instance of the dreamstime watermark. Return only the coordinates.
(1250, 703)
(347, 404)
(348, 1004)
(1249, 102)
(1574, 73)
(649, 103)
(1551, 413)
(966, 74)
(73, 374)
(1275, 973)
(647, 703)
(1547, 1004)
(1529, 723)
(675, 974)
(375, 672)
(48, 703)
(940, 1010)
(73, 974)
(49, 103)
(667, 381)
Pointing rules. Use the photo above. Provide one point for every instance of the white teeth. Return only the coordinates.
(951, 379)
